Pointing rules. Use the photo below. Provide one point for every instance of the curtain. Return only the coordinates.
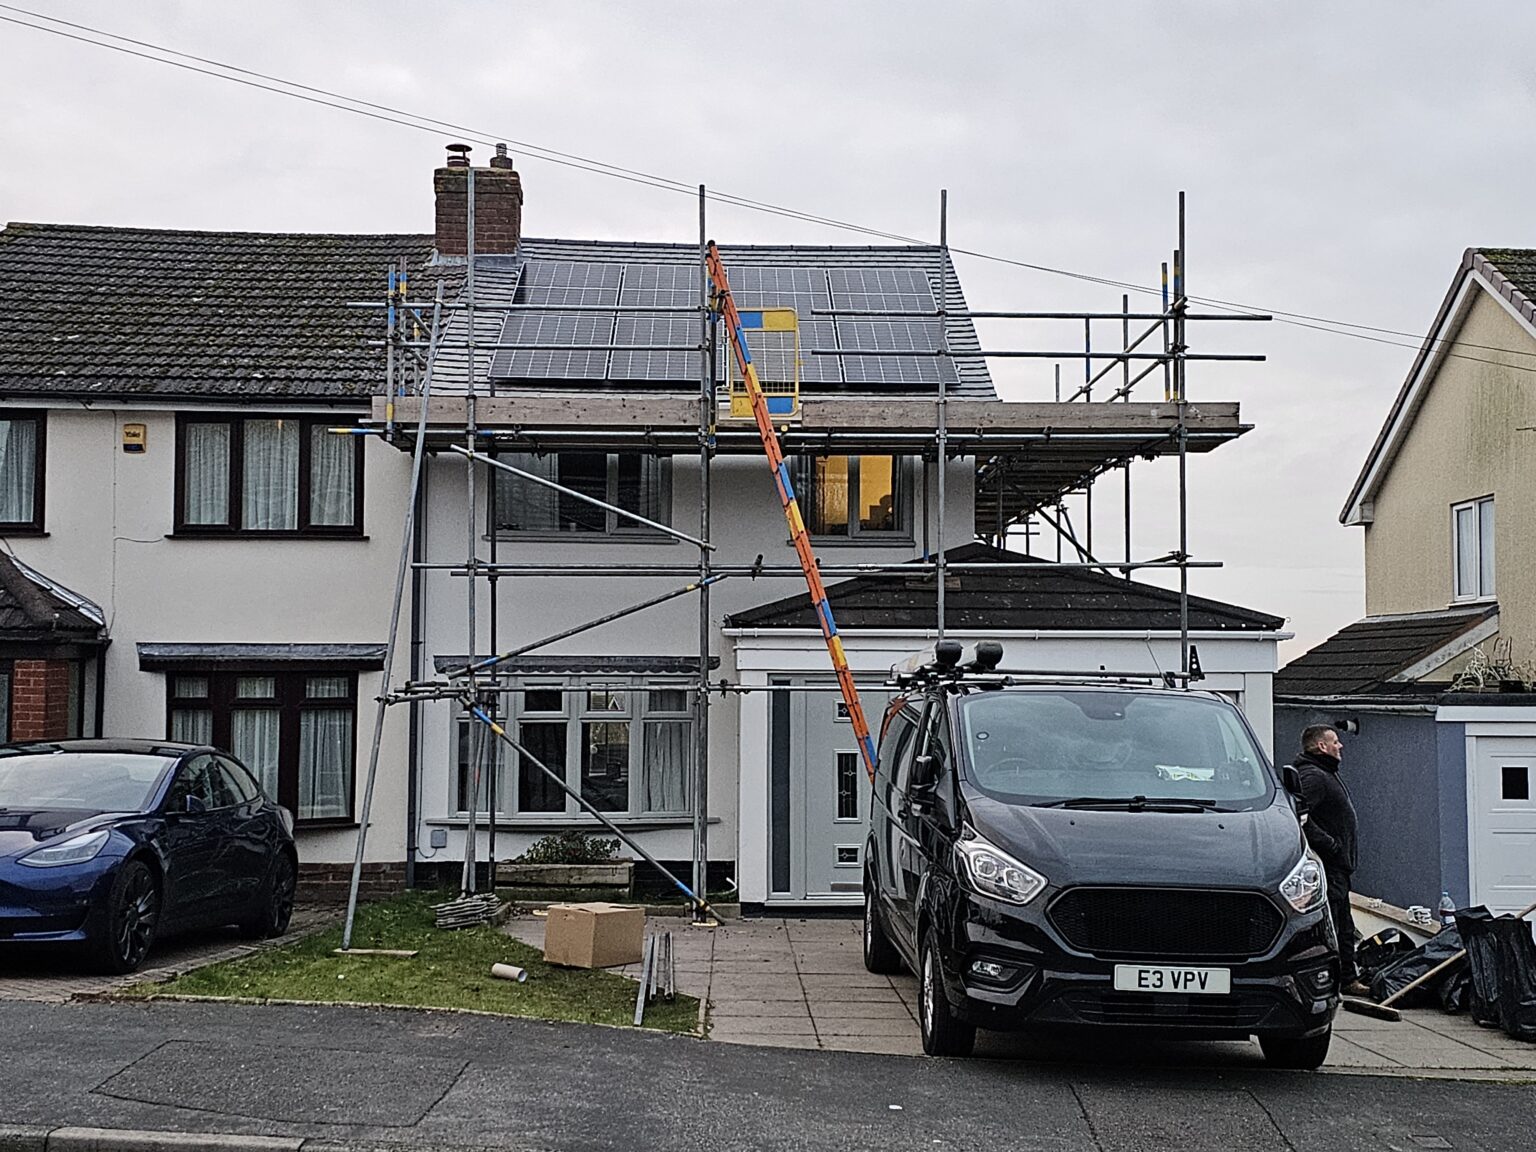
(331, 473)
(192, 726)
(271, 488)
(639, 488)
(253, 738)
(522, 506)
(325, 762)
(18, 470)
(668, 756)
(828, 496)
(207, 474)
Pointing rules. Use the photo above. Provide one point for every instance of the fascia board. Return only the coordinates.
(1447, 652)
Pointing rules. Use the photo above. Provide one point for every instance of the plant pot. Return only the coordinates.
(616, 874)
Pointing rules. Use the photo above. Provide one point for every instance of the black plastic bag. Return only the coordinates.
(1456, 990)
(1386, 947)
(1476, 928)
(1406, 969)
(1517, 977)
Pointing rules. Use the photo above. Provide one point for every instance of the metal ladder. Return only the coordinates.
(725, 307)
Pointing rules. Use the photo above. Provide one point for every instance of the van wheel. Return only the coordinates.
(943, 1034)
(880, 954)
(1306, 1052)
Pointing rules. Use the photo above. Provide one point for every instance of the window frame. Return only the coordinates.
(237, 421)
(290, 700)
(903, 487)
(615, 527)
(637, 715)
(1476, 507)
(35, 526)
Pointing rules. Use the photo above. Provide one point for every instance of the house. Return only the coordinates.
(1432, 686)
(239, 553)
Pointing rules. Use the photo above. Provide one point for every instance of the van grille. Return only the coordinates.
(1180, 922)
(1168, 1011)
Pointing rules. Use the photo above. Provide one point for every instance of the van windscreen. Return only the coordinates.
(1042, 747)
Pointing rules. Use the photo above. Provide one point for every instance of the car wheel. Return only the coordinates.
(943, 1033)
(271, 919)
(132, 919)
(880, 954)
(1305, 1052)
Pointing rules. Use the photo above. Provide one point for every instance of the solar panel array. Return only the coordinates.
(652, 347)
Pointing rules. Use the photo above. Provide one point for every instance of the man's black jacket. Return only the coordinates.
(1332, 829)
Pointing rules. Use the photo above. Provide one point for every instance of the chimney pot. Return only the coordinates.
(501, 159)
(458, 155)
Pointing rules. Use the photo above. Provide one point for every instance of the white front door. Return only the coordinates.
(1501, 832)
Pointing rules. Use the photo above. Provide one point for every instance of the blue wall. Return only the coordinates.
(1410, 827)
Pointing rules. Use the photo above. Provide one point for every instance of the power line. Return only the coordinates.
(421, 123)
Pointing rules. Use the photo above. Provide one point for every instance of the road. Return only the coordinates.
(445, 1080)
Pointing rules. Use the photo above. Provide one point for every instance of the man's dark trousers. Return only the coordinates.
(1343, 925)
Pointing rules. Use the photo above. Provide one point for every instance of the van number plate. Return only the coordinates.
(1141, 978)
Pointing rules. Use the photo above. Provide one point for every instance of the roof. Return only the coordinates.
(1050, 599)
(362, 657)
(142, 311)
(872, 297)
(1385, 653)
(1508, 274)
(32, 607)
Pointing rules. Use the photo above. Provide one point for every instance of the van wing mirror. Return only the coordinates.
(1292, 779)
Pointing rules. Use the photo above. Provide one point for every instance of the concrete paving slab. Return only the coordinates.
(764, 1026)
(765, 1040)
(853, 1026)
(815, 981)
(861, 1010)
(883, 1045)
(758, 1009)
(833, 993)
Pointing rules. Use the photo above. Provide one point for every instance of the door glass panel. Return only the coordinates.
(605, 766)
(1516, 782)
(847, 786)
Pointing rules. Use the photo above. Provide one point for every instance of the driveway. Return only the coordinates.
(54, 976)
(801, 983)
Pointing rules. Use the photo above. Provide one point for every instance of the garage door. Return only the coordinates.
(1501, 801)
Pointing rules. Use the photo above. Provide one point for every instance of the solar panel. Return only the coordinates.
(569, 282)
(661, 285)
(877, 335)
(804, 290)
(650, 328)
(592, 330)
(881, 290)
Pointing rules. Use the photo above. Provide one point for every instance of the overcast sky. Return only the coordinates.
(1337, 158)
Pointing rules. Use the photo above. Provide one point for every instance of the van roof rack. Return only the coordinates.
(979, 664)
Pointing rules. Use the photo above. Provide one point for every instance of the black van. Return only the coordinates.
(1091, 853)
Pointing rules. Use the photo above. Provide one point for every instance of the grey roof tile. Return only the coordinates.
(1362, 659)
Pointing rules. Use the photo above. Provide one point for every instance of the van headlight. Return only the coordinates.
(993, 872)
(1307, 885)
(75, 850)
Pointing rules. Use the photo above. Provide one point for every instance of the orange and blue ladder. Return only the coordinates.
(726, 308)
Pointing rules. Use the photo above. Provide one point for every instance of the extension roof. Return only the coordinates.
(35, 609)
(1050, 599)
(1386, 654)
(139, 311)
(1508, 275)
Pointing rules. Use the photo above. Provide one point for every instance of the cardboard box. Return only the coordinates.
(595, 935)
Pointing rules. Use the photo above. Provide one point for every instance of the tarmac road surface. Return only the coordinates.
(431, 1079)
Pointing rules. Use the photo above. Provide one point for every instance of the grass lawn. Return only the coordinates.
(452, 969)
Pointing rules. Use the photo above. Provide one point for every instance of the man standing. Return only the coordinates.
(1332, 831)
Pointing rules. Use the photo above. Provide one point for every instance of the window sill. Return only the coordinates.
(224, 534)
(583, 538)
(23, 530)
(558, 821)
(866, 541)
(338, 824)
(1463, 601)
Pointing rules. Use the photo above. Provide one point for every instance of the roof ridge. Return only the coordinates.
(119, 229)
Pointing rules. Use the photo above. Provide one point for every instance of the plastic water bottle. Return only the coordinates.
(1447, 910)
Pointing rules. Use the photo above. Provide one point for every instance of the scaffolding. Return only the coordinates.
(1027, 464)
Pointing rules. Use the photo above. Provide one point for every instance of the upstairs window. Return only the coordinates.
(267, 475)
(1472, 535)
(855, 497)
(21, 472)
(632, 481)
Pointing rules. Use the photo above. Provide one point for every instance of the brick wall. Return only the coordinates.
(40, 700)
(498, 209)
(329, 884)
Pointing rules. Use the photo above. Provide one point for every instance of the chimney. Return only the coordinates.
(498, 204)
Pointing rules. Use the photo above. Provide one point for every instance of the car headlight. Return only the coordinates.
(993, 872)
(75, 850)
(1307, 885)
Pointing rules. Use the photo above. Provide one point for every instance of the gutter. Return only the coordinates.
(766, 633)
(1354, 704)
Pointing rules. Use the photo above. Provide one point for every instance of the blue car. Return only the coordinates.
(108, 844)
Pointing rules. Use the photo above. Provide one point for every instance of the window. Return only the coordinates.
(268, 475)
(295, 731)
(626, 747)
(21, 472)
(1472, 533)
(855, 496)
(634, 482)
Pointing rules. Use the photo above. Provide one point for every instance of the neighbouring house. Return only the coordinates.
(220, 564)
(1432, 688)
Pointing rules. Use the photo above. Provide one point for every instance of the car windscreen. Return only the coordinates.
(80, 781)
(1077, 748)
